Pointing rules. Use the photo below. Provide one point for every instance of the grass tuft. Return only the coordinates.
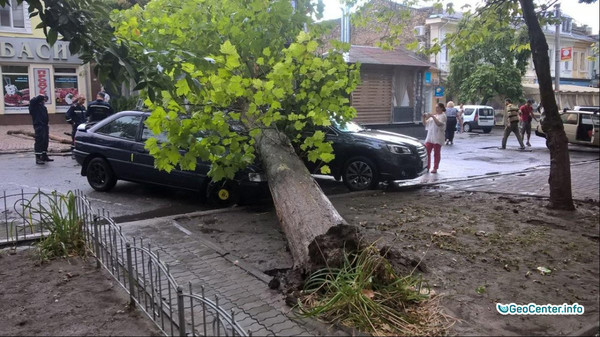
(58, 216)
(367, 294)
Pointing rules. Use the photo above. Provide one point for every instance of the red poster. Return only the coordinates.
(41, 78)
(565, 54)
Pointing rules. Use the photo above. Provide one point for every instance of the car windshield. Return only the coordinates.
(348, 127)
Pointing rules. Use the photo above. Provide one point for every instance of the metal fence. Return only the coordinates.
(132, 262)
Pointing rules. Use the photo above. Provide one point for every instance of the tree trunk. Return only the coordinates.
(315, 231)
(556, 139)
(32, 134)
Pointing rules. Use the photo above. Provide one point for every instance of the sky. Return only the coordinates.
(582, 13)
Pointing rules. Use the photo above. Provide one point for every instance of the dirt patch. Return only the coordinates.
(474, 249)
(63, 298)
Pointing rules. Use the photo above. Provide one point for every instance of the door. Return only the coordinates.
(116, 141)
(569, 120)
(191, 180)
(486, 117)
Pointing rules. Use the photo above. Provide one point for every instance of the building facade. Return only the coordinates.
(29, 66)
(575, 48)
(575, 43)
(391, 89)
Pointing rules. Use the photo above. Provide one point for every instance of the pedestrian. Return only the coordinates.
(511, 124)
(451, 114)
(99, 109)
(76, 115)
(39, 117)
(435, 124)
(459, 117)
(526, 115)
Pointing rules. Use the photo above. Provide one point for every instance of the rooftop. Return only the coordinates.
(376, 55)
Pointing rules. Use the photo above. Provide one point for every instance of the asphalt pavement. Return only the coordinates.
(472, 155)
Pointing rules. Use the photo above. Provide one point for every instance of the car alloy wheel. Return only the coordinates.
(223, 193)
(100, 175)
(360, 174)
(467, 127)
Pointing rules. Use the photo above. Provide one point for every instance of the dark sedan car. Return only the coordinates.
(364, 157)
(113, 149)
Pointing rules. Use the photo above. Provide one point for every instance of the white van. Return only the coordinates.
(478, 117)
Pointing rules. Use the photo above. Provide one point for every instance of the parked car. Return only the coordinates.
(581, 127)
(364, 157)
(587, 108)
(478, 117)
(113, 149)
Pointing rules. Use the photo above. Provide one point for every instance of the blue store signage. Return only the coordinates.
(439, 91)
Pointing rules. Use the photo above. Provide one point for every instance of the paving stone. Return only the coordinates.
(295, 331)
(257, 310)
(272, 321)
(289, 324)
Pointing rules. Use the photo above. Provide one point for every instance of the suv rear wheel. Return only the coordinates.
(360, 174)
(100, 175)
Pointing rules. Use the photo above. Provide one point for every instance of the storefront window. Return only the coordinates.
(65, 86)
(15, 81)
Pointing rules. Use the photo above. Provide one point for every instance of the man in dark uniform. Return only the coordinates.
(76, 115)
(39, 116)
(99, 109)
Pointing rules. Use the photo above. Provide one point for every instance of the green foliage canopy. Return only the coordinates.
(206, 65)
(488, 64)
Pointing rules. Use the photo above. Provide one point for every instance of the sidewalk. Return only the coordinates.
(22, 143)
(585, 183)
(192, 259)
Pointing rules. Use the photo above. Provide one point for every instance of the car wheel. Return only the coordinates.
(223, 193)
(487, 130)
(467, 127)
(360, 174)
(100, 175)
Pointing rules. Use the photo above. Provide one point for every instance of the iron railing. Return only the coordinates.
(133, 264)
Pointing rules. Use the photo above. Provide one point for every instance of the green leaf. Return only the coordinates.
(52, 36)
(228, 49)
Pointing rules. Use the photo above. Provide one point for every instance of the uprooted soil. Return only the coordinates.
(474, 249)
(64, 297)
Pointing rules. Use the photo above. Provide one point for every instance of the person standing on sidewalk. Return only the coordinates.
(39, 116)
(451, 114)
(526, 116)
(459, 117)
(99, 109)
(511, 124)
(76, 115)
(435, 124)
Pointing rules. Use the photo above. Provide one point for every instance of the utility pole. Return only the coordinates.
(557, 30)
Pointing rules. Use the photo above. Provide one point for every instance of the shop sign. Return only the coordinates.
(427, 77)
(565, 53)
(439, 91)
(29, 50)
(41, 78)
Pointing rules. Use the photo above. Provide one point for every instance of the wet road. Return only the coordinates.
(473, 154)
